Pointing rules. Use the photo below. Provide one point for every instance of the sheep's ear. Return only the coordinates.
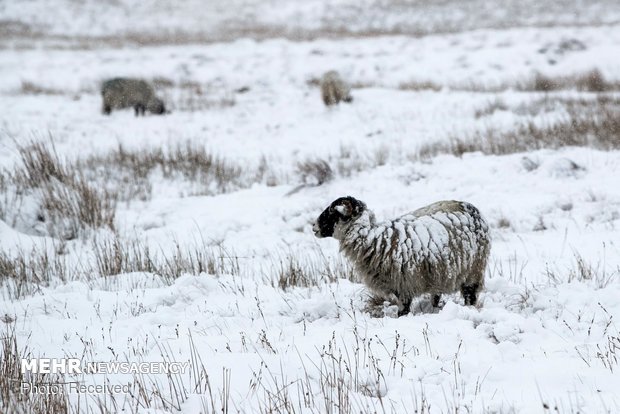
(349, 207)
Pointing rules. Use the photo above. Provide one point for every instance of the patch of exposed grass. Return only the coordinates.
(586, 123)
(314, 171)
(590, 81)
(67, 202)
(490, 108)
(128, 171)
(66, 198)
(419, 85)
(308, 270)
(116, 256)
(31, 88)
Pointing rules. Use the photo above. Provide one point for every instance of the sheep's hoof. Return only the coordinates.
(390, 310)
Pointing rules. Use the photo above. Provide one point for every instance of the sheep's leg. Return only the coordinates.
(140, 109)
(436, 299)
(107, 109)
(404, 307)
(470, 293)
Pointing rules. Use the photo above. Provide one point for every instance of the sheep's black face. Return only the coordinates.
(341, 210)
(156, 106)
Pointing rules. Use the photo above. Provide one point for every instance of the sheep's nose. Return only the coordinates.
(316, 229)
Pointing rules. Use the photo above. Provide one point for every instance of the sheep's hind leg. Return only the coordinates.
(404, 307)
(470, 293)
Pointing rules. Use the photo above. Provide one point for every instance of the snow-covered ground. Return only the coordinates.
(544, 336)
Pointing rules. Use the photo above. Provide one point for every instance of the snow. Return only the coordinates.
(544, 332)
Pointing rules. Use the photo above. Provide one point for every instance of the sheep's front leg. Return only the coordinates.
(406, 307)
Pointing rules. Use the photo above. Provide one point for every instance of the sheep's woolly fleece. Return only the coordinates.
(435, 249)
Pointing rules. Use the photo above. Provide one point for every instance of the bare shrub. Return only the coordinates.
(68, 202)
(314, 171)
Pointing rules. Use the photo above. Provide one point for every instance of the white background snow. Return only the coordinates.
(542, 339)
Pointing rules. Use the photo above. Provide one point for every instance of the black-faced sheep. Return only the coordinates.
(120, 93)
(440, 248)
(334, 89)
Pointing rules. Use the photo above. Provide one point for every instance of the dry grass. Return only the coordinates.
(67, 199)
(116, 256)
(417, 85)
(68, 203)
(587, 123)
(590, 81)
(490, 108)
(31, 88)
(314, 172)
(128, 172)
(24, 272)
(12, 398)
(307, 270)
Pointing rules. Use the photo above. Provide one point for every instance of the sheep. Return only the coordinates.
(334, 89)
(129, 92)
(440, 248)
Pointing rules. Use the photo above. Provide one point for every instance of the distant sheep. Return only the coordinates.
(334, 89)
(120, 93)
(440, 248)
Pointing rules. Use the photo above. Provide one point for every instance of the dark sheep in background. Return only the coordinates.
(121, 93)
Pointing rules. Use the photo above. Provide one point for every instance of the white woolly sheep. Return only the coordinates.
(440, 248)
(334, 89)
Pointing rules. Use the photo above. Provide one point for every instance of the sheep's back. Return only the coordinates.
(124, 92)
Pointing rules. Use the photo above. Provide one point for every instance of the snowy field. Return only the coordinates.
(188, 237)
